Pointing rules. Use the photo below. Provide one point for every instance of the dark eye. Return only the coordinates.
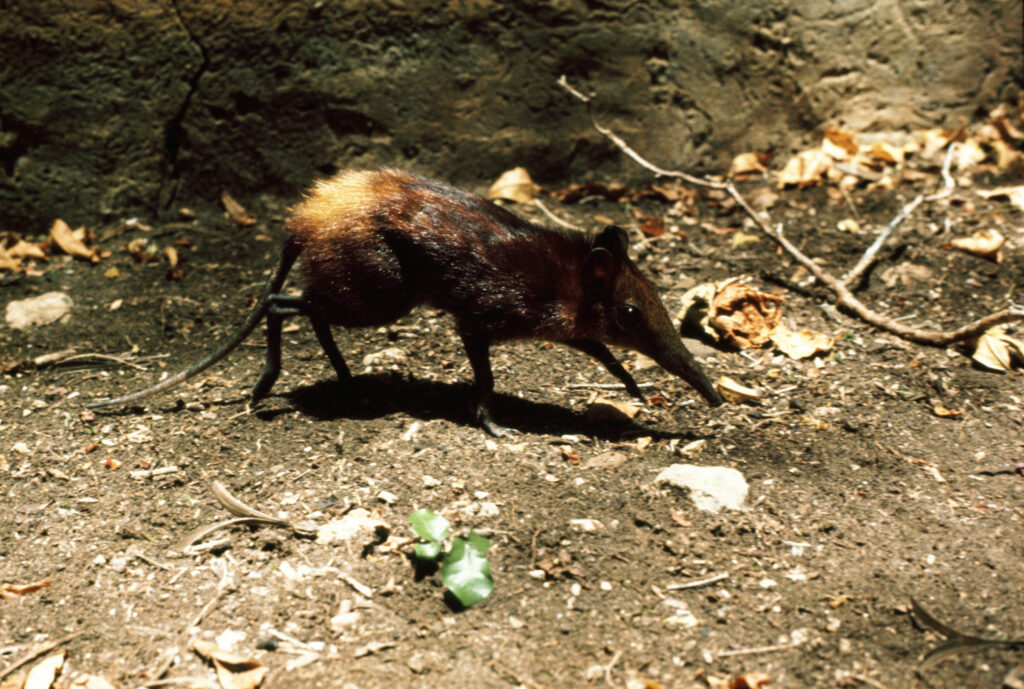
(627, 316)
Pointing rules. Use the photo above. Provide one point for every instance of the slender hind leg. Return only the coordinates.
(280, 307)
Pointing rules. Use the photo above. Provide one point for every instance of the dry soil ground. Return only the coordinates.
(861, 496)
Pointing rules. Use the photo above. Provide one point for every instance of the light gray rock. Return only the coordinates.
(36, 311)
(711, 488)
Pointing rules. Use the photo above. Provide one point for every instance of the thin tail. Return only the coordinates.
(288, 255)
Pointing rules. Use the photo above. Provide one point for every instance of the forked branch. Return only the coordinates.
(841, 288)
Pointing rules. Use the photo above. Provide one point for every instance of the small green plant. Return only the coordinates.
(465, 569)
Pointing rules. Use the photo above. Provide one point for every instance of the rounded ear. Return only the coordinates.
(614, 239)
(599, 271)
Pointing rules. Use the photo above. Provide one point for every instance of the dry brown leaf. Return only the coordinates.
(848, 225)
(172, 255)
(968, 154)
(987, 244)
(514, 185)
(945, 413)
(653, 226)
(842, 140)
(735, 392)
(139, 251)
(603, 410)
(23, 249)
(1014, 194)
(805, 168)
(886, 152)
(90, 682)
(746, 163)
(742, 239)
(44, 673)
(998, 351)
(749, 680)
(933, 141)
(8, 262)
(8, 591)
(234, 671)
(743, 316)
(69, 243)
(732, 312)
(574, 192)
(801, 344)
(236, 212)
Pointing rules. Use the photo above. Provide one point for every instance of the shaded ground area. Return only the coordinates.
(860, 495)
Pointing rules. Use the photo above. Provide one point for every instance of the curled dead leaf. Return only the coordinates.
(44, 673)
(236, 212)
(805, 168)
(732, 312)
(735, 392)
(234, 670)
(1014, 194)
(848, 225)
(998, 351)
(746, 163)
(8, 591)
(742, 239)
(801, 344)
(70, 243)
(945, 413)
(968, 153)
(987, 244)
(603, 410)
(514, 185)
(8, 262)
(22, 249)
(839, 143)
(653, 226)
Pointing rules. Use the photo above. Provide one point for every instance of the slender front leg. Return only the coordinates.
(478, 350)
(604, 355)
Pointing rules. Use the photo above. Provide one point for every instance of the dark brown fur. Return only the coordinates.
(373, 245)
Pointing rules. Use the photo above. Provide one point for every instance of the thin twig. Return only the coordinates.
(553, 217)
(756, 650)
(843, 296)
(853, 276)
(698, 582)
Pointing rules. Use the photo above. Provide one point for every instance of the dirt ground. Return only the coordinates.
(861, 495)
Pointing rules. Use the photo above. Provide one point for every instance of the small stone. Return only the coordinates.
(711, 488)
(37, 311)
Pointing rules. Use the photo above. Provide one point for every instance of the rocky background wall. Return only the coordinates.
(121, 107)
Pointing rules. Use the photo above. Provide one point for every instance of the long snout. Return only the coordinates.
(677, 360)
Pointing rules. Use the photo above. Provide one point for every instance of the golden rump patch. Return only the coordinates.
(341, 199)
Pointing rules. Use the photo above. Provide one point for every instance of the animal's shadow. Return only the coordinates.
(377, 396)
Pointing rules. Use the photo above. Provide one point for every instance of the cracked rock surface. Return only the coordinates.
(137, 107)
